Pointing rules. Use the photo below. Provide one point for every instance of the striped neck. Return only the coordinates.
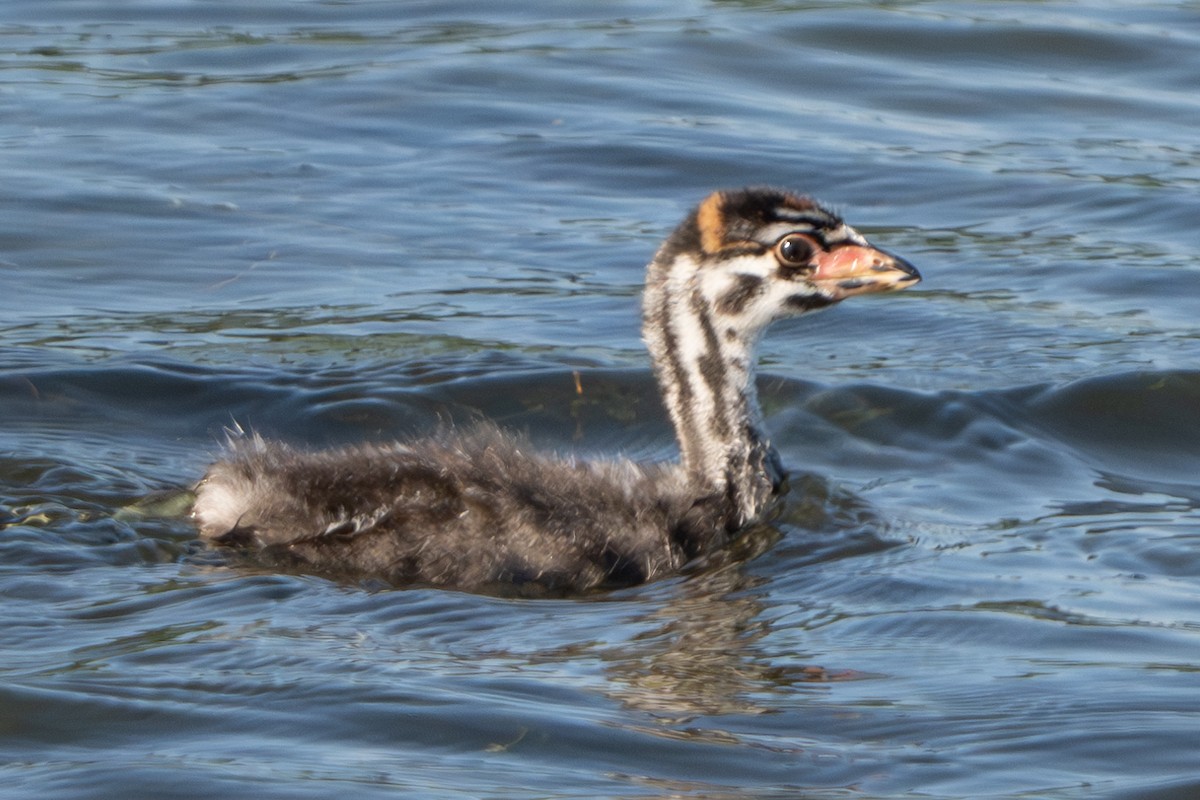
(738, 262)
(703, 348)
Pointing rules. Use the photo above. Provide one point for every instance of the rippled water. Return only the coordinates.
(333, 221)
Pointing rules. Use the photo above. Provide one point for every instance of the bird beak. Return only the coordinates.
(853, 269)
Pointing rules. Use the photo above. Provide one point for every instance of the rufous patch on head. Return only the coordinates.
(710, 219)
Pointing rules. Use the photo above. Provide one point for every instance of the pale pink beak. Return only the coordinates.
(854, 269)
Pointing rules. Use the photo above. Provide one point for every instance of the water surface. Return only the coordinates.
(355, 220)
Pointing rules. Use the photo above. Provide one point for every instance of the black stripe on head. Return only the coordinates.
(746, 288)
(817, 218)
(799, 303)
(729, 223)
(748, 210)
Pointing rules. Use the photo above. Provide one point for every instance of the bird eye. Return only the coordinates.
(794, 250)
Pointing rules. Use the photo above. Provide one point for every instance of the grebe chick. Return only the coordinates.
(478, 511)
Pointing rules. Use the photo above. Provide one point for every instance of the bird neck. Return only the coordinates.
(704, 359)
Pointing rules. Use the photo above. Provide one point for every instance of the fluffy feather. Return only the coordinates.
(482, 511)
(420, 513)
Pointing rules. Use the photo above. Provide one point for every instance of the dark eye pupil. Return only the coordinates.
(795, 250)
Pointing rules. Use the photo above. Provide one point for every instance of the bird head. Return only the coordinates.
(762, 254)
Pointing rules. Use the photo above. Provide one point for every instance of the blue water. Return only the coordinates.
(335, 221)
